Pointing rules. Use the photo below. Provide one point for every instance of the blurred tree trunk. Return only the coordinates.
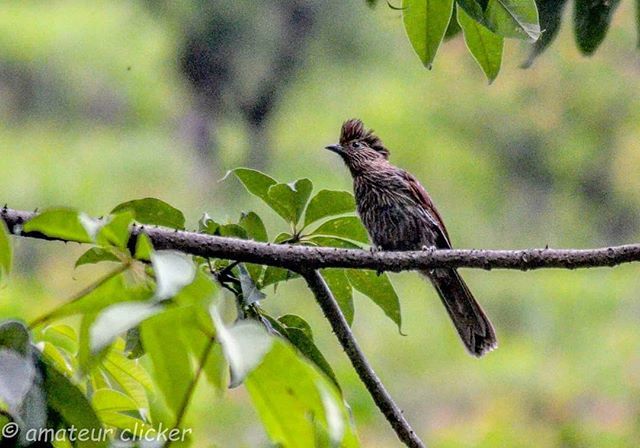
(209, 61)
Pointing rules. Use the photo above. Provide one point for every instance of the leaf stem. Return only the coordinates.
(192, 386)
(48, 316)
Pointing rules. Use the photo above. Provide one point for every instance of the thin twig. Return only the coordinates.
(340, 327)
(192, 386)
(292, 257)
(92, 287)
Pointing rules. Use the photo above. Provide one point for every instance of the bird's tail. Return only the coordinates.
(472, 323)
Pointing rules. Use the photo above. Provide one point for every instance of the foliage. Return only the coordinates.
(486, 23)
(542, 157)
(90, 378)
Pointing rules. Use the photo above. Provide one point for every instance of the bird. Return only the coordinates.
(399, 215)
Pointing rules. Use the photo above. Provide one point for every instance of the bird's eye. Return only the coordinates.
(356, 145)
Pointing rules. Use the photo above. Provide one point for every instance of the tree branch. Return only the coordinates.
(294, 256)
(376, 389)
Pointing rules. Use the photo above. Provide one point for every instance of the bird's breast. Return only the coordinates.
(392, 218)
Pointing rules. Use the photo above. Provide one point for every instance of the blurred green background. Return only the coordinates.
(106, 101)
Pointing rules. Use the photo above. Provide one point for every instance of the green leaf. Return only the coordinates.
(473, 9)
(117, 319)
(299, 333)
(62, 336)
(56, 358)
(255, 271)
(199, 292)
(86, 359)
(5, 251)
(283, 238)
(211, 227)
(197, 329)
(14, 335)
(144, 247)
(232, 231)
(592, 19)
(61, 223)
(111, 289)
(243, 344)
(340, 286)
(328, 241)
(112, 400)
(132, 425)
(287, 200)
(115, 408)
(379, 289)
(97, 379)
(308, 348)
(116, 230)
(484, 45)
(348, 227)
(250, 292)
(215, 368)
(513, 18)
(133, 343)
(453, 29)
(253, 225)
(172, 368)
(67, 400)
(97, 255)
(550, 12)
(273, 275)
(173, 271)
(207, 225)
(426, 22)
(294, 400)
(329, 203)
(153, 211)
(129, 376)
(292, 198)
(256, 182)
(294, 321)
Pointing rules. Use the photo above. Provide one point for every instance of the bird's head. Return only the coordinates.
(359, 147)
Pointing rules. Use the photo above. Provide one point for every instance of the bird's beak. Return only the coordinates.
(335, 148)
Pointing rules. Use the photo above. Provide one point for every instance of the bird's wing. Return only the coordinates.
(422, 197)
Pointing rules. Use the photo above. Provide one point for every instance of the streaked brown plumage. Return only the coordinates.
(399, 215)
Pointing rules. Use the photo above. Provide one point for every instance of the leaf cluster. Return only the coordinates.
(486, 23)
(154, 324)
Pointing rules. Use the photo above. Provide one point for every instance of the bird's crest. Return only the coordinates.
(354, 130)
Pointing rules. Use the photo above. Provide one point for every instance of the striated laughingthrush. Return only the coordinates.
(399, 215)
